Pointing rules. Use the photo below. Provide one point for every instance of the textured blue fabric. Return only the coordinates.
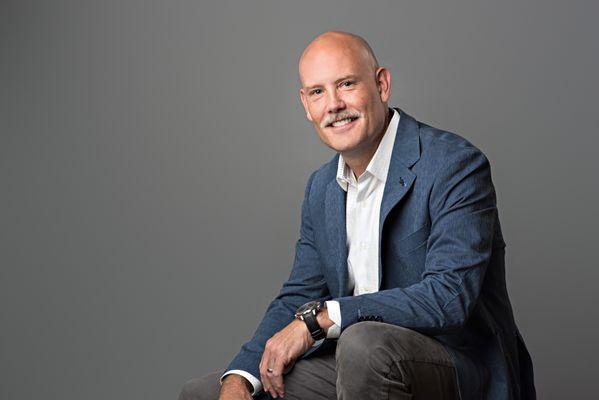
(441, 266)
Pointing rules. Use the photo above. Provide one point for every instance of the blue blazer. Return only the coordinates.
(441, 268)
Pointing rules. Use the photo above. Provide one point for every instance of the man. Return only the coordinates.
(398, 285)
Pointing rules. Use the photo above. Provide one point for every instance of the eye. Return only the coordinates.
(315, 92)
(347, 83)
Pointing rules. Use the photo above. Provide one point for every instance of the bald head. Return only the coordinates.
(349, 44)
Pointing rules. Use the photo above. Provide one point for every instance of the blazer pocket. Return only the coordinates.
(414, 240)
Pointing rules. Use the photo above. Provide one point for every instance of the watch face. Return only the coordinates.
(307, 307)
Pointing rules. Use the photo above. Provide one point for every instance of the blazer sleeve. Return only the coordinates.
(305, 283)
(462, 208)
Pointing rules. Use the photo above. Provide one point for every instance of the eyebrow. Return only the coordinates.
(351, 76)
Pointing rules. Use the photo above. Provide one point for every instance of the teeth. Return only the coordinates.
(342, 122)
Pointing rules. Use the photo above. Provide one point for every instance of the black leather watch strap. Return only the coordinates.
(315, 330)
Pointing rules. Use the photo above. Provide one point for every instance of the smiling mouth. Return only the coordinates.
(342, 122)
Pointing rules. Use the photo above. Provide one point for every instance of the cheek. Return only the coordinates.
(361, 103)
(316, 113)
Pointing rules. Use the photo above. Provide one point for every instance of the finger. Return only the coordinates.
(264, 365)
(276, 377)
(266, 384)
(268, 378)
(273, 379)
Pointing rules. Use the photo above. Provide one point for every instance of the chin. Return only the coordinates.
(343, 147)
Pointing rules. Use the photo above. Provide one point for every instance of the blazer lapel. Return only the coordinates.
(400, 178)
(335, 224)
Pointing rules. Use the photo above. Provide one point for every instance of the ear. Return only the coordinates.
(302, 94)
(383, 82)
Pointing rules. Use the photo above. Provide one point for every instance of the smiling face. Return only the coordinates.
(344, 94)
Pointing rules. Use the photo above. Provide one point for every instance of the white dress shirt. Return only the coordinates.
(362, 211)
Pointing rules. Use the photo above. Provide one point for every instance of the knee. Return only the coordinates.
(355, 341)
(372, 345)
(357, 345)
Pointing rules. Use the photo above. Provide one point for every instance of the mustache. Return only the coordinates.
(339, 116)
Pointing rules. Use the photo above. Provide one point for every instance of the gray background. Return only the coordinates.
(153, 157)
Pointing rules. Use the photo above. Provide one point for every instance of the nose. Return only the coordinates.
(335, 102)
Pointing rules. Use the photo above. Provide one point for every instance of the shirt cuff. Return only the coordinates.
(334, 315)
(256, 384)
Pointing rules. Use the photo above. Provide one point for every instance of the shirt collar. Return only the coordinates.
(379, 164)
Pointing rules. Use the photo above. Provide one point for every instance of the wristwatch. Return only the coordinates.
(307, 313)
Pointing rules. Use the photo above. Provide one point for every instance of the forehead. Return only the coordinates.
(326, 65)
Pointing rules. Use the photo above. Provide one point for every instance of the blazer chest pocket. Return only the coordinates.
(413, 241)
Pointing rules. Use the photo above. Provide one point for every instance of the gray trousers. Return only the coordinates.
(372, 360)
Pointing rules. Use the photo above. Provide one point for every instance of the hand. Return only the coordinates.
(235, 387)
(280, 353)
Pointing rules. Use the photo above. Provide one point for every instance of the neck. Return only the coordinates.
(359, 159)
